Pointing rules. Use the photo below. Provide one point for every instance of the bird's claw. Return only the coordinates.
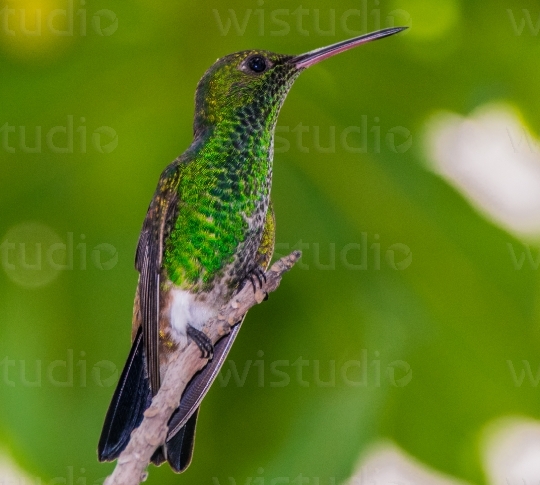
(258, 276)
(202, 341)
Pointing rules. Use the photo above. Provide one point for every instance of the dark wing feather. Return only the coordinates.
(149, 302)
(131, 398)
(148, 261)
(200, 384)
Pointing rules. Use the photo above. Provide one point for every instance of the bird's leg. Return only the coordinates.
(202, 341)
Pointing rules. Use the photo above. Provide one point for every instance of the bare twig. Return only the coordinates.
(132, 463)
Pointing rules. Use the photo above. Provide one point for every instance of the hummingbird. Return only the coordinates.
(209, 229)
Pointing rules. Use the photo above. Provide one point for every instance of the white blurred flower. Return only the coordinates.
(512, 452)
(386, 464)
(494, 160)
(11, 474)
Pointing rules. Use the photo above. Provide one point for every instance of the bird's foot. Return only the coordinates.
(256, 278)
(202, 341)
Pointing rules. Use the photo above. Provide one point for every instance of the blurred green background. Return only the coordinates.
(413, 346)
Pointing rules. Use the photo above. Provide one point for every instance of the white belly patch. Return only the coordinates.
(185, 310)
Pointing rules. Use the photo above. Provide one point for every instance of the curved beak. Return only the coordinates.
(305, 60)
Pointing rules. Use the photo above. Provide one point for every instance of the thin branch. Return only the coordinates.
(133, 461)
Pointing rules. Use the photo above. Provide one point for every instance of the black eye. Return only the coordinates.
(257, 64)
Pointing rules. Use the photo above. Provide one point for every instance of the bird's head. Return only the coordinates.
(249, 87)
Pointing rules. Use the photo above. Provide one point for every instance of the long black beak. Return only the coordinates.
(305, 60)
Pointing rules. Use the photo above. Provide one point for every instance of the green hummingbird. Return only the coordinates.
(209, 228)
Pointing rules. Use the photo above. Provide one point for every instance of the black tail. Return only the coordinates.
(179, 448)
(131, 398)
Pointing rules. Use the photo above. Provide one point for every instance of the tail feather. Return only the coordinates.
(179, 449)
(158, 458)
(126, 411)
(131, 398)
